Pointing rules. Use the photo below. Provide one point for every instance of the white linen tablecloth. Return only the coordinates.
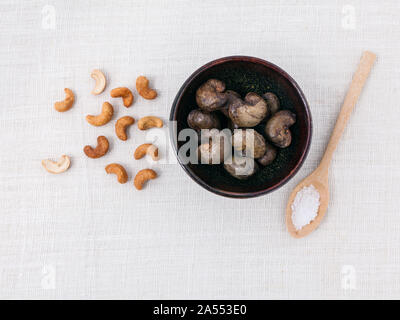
(83, 235)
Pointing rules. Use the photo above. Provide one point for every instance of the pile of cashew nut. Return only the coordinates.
(241, 116)
(121, 127)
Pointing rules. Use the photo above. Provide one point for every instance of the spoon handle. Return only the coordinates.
(356, 86)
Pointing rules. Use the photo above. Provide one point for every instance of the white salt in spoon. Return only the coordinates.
(319, 178)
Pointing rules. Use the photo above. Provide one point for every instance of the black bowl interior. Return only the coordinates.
(243, 75)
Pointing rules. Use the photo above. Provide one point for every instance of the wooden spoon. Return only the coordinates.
(319, 178)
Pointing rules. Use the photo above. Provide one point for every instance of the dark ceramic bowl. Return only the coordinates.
(244, 74)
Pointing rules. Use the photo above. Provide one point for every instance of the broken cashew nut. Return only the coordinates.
(121, 125)
(104, 117)
(149, 122)
(142, 86)
(57, 166)
(146, 148)
(125, 93)
(119, 171)
(142, 176)
(66, 104)
(100, 150)
(100, 79)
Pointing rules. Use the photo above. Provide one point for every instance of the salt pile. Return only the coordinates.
(305, 206)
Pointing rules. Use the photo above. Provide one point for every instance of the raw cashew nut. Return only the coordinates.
(248, 112)
(142, 176)
(142, 86)
(146, 148)
(149, 122)
(66, 104)
(277, 128)
(125, 93)
(57, 166)
(210, 96)
(272, 101)
(100, 150)
(249, 143)
(118, 170)
(198, 119)
(100, 79)
(121, 125)
(104, 117)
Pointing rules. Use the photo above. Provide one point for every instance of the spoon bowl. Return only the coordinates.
(319, 179)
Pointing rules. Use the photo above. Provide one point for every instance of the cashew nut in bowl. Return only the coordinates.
(198, 119)
(216, 149)
(269, 155)
(142, 86)
(240, 167)
(249, 142)
(210, 96)
(230, 96)
(142, 176)
(149, 122)
(146, 148)
(121, 126)
(277, 128)
(272, 102)
(119, 171)
(125, 93)
(57, 166)
(248, 112)
(104, 117)
(66, 104)
(100, 150)
(100, 79)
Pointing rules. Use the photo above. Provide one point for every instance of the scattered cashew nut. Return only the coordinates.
(118, 170)
(142, 176)
(57, 166)
(142, 86)
(66, 104)
(149, 122)
(121, 125)
(100, 79)
(100, 150)
(146, 148)
(104, 117)
(125, 93)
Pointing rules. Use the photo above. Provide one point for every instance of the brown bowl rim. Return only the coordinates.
(231, 194)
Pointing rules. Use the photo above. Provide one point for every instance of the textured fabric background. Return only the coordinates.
(82, 235)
